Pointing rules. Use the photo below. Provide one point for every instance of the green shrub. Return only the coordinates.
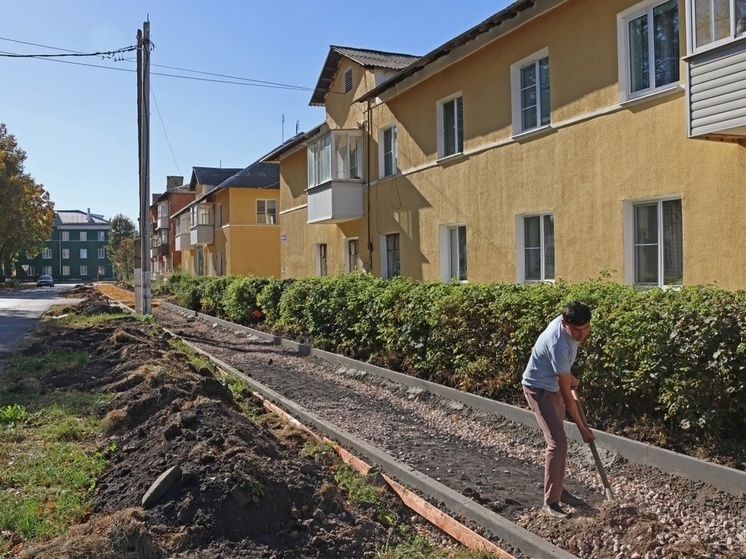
(213, 295)
(241, 299)
(268, 299)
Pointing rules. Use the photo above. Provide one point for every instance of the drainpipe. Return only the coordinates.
(367, 188)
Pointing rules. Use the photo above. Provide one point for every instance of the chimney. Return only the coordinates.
(89, 214)
(173, 182)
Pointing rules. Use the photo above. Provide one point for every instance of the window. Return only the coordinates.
(388, 152)
(31, 271)
(348, 80)
(83, 271)
(393, 255)
(102, 236)
(657, 243)
(101, 253)
(66, 235)
(266, 212)
(538, 247)
(65, 253)
(337, 155)
(46, 254)
(201, 214)
(715, 21)
(529, 81)
(648, 47)
(83, 236)
(353, 254)
(66, 271)
(101, 271)
(453, 252)
(321, 255)
(163, 209)
(83, 253)
(46, 270)
(450, 120)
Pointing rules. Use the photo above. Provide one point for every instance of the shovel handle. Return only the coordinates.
(594, 451)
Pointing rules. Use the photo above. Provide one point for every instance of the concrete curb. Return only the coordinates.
(723, 478)
(522, 539)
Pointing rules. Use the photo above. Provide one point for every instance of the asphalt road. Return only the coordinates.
(20, 308)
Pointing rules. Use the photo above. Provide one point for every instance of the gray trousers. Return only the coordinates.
(549, 408)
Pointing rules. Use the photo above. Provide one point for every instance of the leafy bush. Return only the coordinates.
(240, 303)
(213, 296)
(269, 298)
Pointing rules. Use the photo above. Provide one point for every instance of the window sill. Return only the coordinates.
(539, 131)
(667, 90)
(453, 158)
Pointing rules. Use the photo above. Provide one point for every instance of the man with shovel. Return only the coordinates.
(548, 384)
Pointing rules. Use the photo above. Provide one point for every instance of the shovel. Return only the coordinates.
(596, 458)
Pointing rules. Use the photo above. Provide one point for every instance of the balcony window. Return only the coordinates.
(163, 210)
(201, 214)
(715, 21)
(337, 155)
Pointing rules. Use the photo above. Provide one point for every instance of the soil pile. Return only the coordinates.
(228, 486)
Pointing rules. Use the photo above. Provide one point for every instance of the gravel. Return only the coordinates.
(491, 460)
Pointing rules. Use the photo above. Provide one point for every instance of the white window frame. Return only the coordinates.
(734, 15)
(83, 253)
(330, 157)
(266, 212)
(386, 271)
(162, 209)
(83, 236)
(520, 257)
(352, 254)
(46, 270)
(322, 259)
(387, 151)
(66, 271)
(102, 236)
(516, 97)
(440, 118)
(31, 271)
(65, 253)
(630, 271)
(450, 255)
(83, 270)
(65, 235)
(101, 253)
(46, 254)
(625, 56)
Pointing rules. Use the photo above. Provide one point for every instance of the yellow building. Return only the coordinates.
(231, 227)
(558, 139)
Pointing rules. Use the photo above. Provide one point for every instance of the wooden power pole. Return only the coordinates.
(142, 276)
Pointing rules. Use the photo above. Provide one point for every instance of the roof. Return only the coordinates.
(256, 175)
(261, 174)
(366, 59)
(184, 188)
(78, 217)
(477, 32)
(210, 176)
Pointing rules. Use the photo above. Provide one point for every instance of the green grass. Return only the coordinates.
(196, 359)
(420, 547)
(49, 453)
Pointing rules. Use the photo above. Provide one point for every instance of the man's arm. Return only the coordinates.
(568, 383)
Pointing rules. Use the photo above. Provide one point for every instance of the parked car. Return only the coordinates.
(45, 280)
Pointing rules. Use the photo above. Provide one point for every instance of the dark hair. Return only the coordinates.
(576, 313)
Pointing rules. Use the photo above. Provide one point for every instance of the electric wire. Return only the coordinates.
(163, 125)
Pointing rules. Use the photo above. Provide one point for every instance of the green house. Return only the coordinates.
(74, 252)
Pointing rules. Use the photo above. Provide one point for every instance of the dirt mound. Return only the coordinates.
(235, 486)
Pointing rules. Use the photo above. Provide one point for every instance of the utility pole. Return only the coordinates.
(142, 279)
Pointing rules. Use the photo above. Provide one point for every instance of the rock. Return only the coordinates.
(160, 486)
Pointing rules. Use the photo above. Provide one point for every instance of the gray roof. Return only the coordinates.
(497, 20)
(210, 176)
(366, 59)
(77, 217)
(256, 175)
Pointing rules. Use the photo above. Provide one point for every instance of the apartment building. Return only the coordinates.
(165, 259)
(558, 139)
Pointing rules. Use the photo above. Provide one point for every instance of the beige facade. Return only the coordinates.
(605, 177)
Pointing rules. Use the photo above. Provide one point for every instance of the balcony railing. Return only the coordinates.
(183, 241)
(335, 202)
(202, 234)
(163, 222)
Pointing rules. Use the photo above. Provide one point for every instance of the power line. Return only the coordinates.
(163, 125)
(110, 53)
(244, 81)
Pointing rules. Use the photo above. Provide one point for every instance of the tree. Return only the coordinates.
(26, 208)
(121, 246)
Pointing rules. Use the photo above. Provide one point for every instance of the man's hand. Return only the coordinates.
(587, 434)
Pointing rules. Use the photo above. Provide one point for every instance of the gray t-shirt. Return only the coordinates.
(554, 353)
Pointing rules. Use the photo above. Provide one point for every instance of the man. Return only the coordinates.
(548, 385)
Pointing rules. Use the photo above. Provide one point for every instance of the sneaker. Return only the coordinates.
(554, 510)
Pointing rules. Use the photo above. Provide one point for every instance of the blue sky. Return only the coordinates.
(78, 124)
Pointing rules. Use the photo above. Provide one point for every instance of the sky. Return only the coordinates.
(76, 117)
